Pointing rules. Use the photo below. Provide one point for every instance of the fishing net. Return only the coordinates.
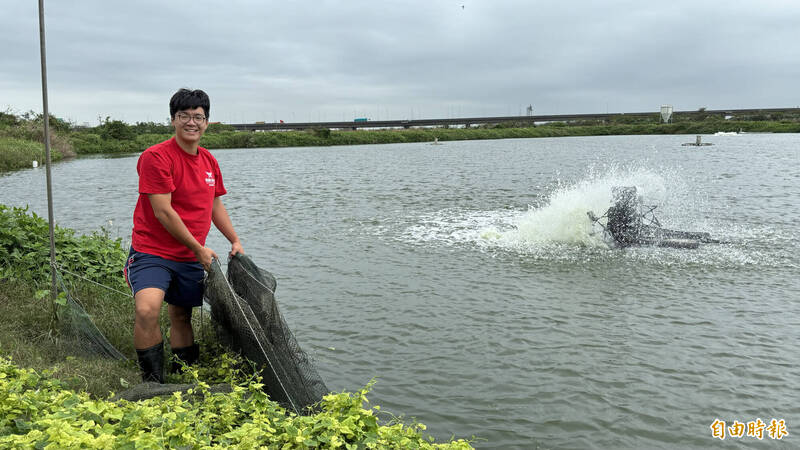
(78, 327)
(247, 319)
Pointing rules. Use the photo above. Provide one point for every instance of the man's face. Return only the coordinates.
(188, 125)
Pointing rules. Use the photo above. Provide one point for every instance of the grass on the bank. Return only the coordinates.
(27, 337)
(22, 142)
(19, 134)
(19, 153)
(325, 137)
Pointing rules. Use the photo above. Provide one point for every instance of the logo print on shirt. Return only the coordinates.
(210, 178)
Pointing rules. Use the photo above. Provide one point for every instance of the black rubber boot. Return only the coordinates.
(188, 355)
(151, 363)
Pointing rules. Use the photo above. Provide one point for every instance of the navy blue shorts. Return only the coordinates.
(182, 282)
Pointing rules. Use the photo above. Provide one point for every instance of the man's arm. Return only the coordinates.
(169, 218)
(219, 215)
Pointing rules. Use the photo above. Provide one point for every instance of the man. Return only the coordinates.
(180, 189)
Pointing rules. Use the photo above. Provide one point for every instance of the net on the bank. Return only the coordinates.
(247, 319)
(78, 327)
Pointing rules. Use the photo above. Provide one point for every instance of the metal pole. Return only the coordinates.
(53, 285)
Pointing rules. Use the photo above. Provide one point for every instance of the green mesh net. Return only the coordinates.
(247, 320)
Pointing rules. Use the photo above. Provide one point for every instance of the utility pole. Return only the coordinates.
(46, 111)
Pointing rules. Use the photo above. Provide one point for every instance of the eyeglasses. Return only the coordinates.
(184, 118)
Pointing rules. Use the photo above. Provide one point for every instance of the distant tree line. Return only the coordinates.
(22, 135)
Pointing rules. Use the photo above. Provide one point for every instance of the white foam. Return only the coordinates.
(563, 218)
(557, 227)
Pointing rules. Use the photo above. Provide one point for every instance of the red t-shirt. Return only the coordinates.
(193, 180)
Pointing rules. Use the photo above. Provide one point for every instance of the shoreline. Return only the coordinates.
(86, 142)
(16, 153)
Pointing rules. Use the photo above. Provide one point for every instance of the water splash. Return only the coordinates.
(556, 227)
(562, 217)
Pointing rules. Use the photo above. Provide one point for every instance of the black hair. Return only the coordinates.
(188, 99)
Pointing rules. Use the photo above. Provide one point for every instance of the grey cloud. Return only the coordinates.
(327, 60)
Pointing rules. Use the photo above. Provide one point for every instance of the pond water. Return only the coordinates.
(467, 279)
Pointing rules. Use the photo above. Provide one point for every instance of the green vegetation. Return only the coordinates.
(53, 396)
(233, 139)
(20, 153)
(22, 140)
(30, 334)
(115, 136)
(36, 411)
(25, 250)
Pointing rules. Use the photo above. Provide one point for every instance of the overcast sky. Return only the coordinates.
(336, 60)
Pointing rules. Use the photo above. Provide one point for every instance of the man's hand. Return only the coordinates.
(204, 256)
(236, 247)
